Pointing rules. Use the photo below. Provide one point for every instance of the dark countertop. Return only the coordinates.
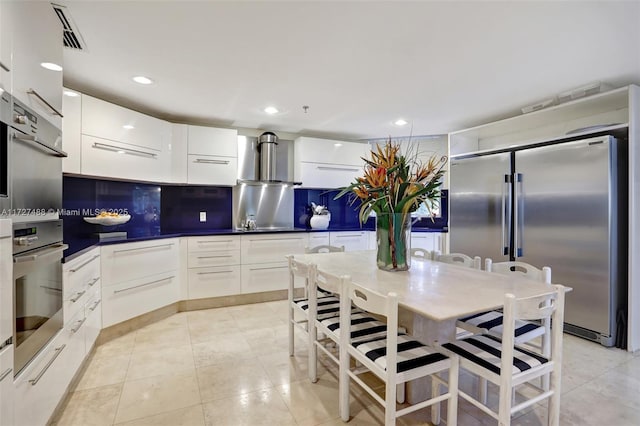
(90, 243)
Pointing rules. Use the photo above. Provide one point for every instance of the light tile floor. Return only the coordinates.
(230, 366)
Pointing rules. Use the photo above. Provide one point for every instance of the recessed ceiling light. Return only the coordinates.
(70, 93)
(401, 122)
(142, 79)
(337, 144)
(271, 110)
(120, 152)
(128, 127)
(51, 66)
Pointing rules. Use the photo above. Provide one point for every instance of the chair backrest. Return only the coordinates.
(423, 254)
(325, 281)
(524, 269)
(324, 249)
(301, 270)
(548, 307)
(459, 259)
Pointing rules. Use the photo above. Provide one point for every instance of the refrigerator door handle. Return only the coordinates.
(518, 215)
(506, 214)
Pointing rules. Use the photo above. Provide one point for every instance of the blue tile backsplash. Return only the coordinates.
(343, 215)
(181, 207)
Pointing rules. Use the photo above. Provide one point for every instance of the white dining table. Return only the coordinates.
(434, 290)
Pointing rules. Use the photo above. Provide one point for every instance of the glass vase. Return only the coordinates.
(393, 233)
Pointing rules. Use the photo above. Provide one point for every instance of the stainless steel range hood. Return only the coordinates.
(265, 160)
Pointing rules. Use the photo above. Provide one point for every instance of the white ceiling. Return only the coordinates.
(358, 65)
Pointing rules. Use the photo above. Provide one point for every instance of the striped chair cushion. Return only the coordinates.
(327, 306)
(362, 326)
(485, 350)
(492, 322)
(411, 353)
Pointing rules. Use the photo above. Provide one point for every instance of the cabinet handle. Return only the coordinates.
(95, 305)
(84, 264)
(93, 282)
(207, 161)
(107, 147)
(41, 145)
(143, 285)
(348, 236)
(213, 257)
(57, 353)
(5, 374)
(78, 325)
(214, 242)
(276, 239)
(51, 288)
(216, 272)
(344, 169)
(4, 67)
(44, 101)
(78, 296)
(269, 267)
(143, 248)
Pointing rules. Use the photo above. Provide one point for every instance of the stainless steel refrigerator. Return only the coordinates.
(555, 205)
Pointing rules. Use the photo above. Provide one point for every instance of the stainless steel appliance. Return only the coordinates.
(30, 163)
(37, 285)
(556, 205)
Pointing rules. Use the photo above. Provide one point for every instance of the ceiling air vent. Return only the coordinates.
(71, 36)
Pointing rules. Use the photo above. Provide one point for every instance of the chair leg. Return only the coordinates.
(343, 385)
(313, 352)
(452, 403)
(554, 402)
(482, 390)
(504, 410)
(291, 336)
(435, 409)
(390, 405)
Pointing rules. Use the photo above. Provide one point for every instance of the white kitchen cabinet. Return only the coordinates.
(130, 261)
(138, 278)
(178, 166)
(432, 241)
(213, 266)
(212, 141)
(257, 278)
(271, 247)
(93, 315)
(212, 170)
(6, 385)
(6, 37)
(112, 122)
(130, 299)
(79, 279)
(351, 240)
(318, 239)
(324, 163)
(36, 39)
(71, 133)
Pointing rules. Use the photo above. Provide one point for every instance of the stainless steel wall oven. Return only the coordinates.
(37, 280)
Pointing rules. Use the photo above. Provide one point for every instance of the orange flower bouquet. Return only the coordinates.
(394, 185)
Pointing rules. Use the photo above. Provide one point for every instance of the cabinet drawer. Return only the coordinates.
(212, 141)
(426, 240)
(351, 240)
(213, 243)
(126, 300)
(6, 386)
(81, 272)
(93, 323)
(271, 248)
(74, 302)
(126, 262)
(214, 282)
(321, 175)
(318, 239)
(265, 277)
(213, 258)
(212, 170)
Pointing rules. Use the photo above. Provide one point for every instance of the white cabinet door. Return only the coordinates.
(271, 247)
(178, 167)
(115, 123)
(318, 239)
(6, 386)
(131, 261)
(6, 281)
(212, 170)
(265, 277)
(212, 141)
(93, 315)
(213, 243)
(213, 258)
(214, 281)
(351, 240)
(321, 175)
(102, 157)
(6, 37)
(127, 300)
(71, 132)
(79, 278)
(427, 240)
(37, 35)
(329, 151)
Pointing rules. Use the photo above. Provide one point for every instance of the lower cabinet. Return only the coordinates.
(433, 241)
(261, 277)
(318, 239)
(6, 385)
(214, 281)
(93, 315)
(351, 240)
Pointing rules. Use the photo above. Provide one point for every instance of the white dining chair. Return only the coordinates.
(395, 358)
(324, 248)
(422, 254)
(459, 259)
(509, 366)
(298, 308)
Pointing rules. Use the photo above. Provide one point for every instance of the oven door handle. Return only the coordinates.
(51, 251)
(41, 145)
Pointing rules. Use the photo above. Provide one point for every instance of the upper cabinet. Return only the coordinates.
(324, 163)
(36, 39)
(5, 47)
(72, 132)
(212, 156)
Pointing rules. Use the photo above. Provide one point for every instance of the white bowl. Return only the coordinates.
(108, 220)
